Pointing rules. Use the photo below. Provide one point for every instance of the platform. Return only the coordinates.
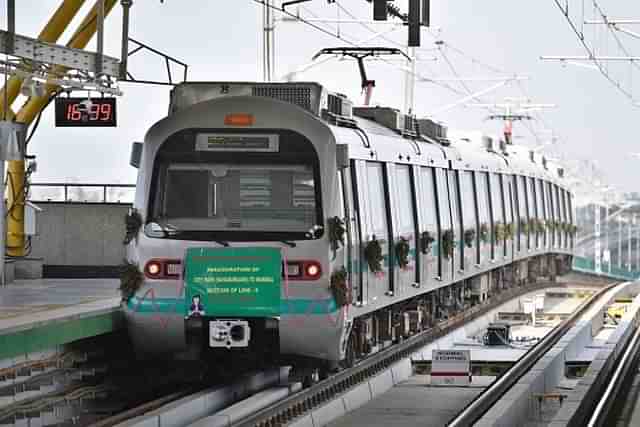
(40, 314)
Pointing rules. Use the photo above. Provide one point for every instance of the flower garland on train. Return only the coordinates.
(337, 231)
(447, 243)
(131, 279)
(373, 255)
(339, 287)
(402, 249)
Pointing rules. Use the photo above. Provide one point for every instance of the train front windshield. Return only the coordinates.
(238, 195)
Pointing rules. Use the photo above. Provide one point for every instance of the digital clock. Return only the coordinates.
(89, 112)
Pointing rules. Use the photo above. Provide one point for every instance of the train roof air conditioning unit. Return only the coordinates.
(387, 117)
(308, 95)
(434, 131)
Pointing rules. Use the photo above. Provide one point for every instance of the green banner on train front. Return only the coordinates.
(233, 282)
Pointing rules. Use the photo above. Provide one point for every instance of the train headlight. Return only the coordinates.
(153, 268)
(312, 270)
(163, 268)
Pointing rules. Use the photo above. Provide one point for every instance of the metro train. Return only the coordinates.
(276, 221)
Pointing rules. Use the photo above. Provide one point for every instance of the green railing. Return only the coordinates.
(585, 265)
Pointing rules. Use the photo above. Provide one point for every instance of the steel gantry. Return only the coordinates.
(52, 31)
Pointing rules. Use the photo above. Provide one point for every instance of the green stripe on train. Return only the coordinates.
(178, 306)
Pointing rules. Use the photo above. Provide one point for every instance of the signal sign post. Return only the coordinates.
(451, 367)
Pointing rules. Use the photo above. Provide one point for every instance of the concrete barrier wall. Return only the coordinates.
(519, 403)
(603, 365)
(71, 234)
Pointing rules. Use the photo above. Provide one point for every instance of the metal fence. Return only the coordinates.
(587, 265)
(82, 193)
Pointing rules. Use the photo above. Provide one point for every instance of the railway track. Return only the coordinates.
(302, 402)
(492, 394)
(306, 400)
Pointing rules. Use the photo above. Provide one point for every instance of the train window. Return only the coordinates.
(180, 203)
(495, 192)
(523, 192)
(444, 211)
(429, 208)
(405, 198)
(375, 192)
(468, 200)
(516, 198)
(443, 199)
(550, 211)
(557, 203)
(455, 185)
(339, 197)
(240, 197)
(483, 198)
(540, 199)
(255, 190)
(542, 206)
(532, 197)
(520, 209)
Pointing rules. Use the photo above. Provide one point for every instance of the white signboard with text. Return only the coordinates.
(451, 367)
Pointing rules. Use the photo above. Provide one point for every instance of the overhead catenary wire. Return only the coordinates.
(339, 34)
(350, 42)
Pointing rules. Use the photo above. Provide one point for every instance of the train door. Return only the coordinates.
(447, 236)
(375, 232)
(429, 224)
(350, 211)
(457, 269)
(404, 227)
(469, 223)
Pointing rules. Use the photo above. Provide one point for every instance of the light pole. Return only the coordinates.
(620, 242)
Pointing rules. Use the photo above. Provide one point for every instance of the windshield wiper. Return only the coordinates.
(288, 243)
(222, 243)
(167, 229)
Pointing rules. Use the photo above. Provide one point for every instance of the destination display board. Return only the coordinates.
(451, 367)
(237, 142)
(233, 282)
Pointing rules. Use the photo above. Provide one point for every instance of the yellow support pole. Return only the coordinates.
(50, 33)
(28, 112)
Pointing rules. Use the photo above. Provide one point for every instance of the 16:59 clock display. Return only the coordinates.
(85, 112)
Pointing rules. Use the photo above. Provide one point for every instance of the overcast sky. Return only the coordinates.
(221, 40)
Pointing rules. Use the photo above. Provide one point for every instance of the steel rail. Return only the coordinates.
(299, 403)
(492, 394)
(601, 415)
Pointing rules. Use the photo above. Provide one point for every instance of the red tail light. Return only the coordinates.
(163, 268)
(303, 270)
